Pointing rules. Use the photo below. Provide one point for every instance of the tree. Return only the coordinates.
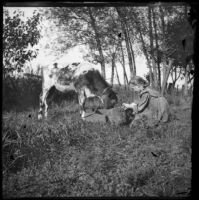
(97, 38)
(122, 61)
(156, 31)
(156, 49)
(173, 30)
(139, 22)
(82, 25)
(127, 41)
(18, 38)
(176, 73)
(152, 47)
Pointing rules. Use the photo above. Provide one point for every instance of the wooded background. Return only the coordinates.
(114, 35)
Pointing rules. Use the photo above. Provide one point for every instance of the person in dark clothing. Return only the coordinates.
(150, 105)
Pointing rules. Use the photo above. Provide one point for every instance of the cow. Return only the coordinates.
(83, 78)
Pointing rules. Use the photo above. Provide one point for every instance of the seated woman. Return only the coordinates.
(150, 104)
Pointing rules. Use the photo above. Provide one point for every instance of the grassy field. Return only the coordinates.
(64, 156)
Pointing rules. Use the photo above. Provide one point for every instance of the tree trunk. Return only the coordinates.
(132, 52)
(99, 46)
(117, 74)
(152, 48)
(175, 75)
(186, 68)
(186, 82)
(123, 65)
(144, 49)
(113, 68)
(157, 49)
(124, 29)
(164, 42)
(166, 72)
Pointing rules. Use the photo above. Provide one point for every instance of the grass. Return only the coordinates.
(64, 156)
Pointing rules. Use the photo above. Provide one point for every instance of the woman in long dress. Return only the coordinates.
(150, 105)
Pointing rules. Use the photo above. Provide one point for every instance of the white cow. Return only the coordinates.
(83, 78)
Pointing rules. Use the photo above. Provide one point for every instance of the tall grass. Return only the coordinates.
(65, 156)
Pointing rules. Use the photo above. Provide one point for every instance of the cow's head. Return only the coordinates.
(109, 98)
(138, 83)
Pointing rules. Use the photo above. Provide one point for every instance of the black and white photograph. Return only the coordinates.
(98, 98)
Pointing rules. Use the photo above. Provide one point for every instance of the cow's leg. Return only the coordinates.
(46, 105)
(88, 94)
(43, 103)
(82, 100)
(40, 106)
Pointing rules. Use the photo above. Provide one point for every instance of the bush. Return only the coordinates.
(23, 93)
(176, 98)
(20, 93)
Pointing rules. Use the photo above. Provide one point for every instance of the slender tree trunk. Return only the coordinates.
(124, 29)
(166, 72)
(129, 55)
(186, 82)
(144, 50)
(123, 65)
(152, 48)
(113, 68)
(157, 49)
(186, 68)
(118, 79)
(99, 46)
(132, 52)
(164, 59)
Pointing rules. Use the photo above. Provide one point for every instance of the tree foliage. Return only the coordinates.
(18, 36)
(110, 36)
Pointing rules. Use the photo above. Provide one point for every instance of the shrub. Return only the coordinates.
(20, 93)
(23, 93)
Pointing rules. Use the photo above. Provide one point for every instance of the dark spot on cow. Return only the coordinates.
(76, 64)
(65, 76)
(94, 81)
(24, 126)
(50, 75)
(29, 115)
(120, 35)
(55, 65)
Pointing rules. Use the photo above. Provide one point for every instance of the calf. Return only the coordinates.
(80, 77)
